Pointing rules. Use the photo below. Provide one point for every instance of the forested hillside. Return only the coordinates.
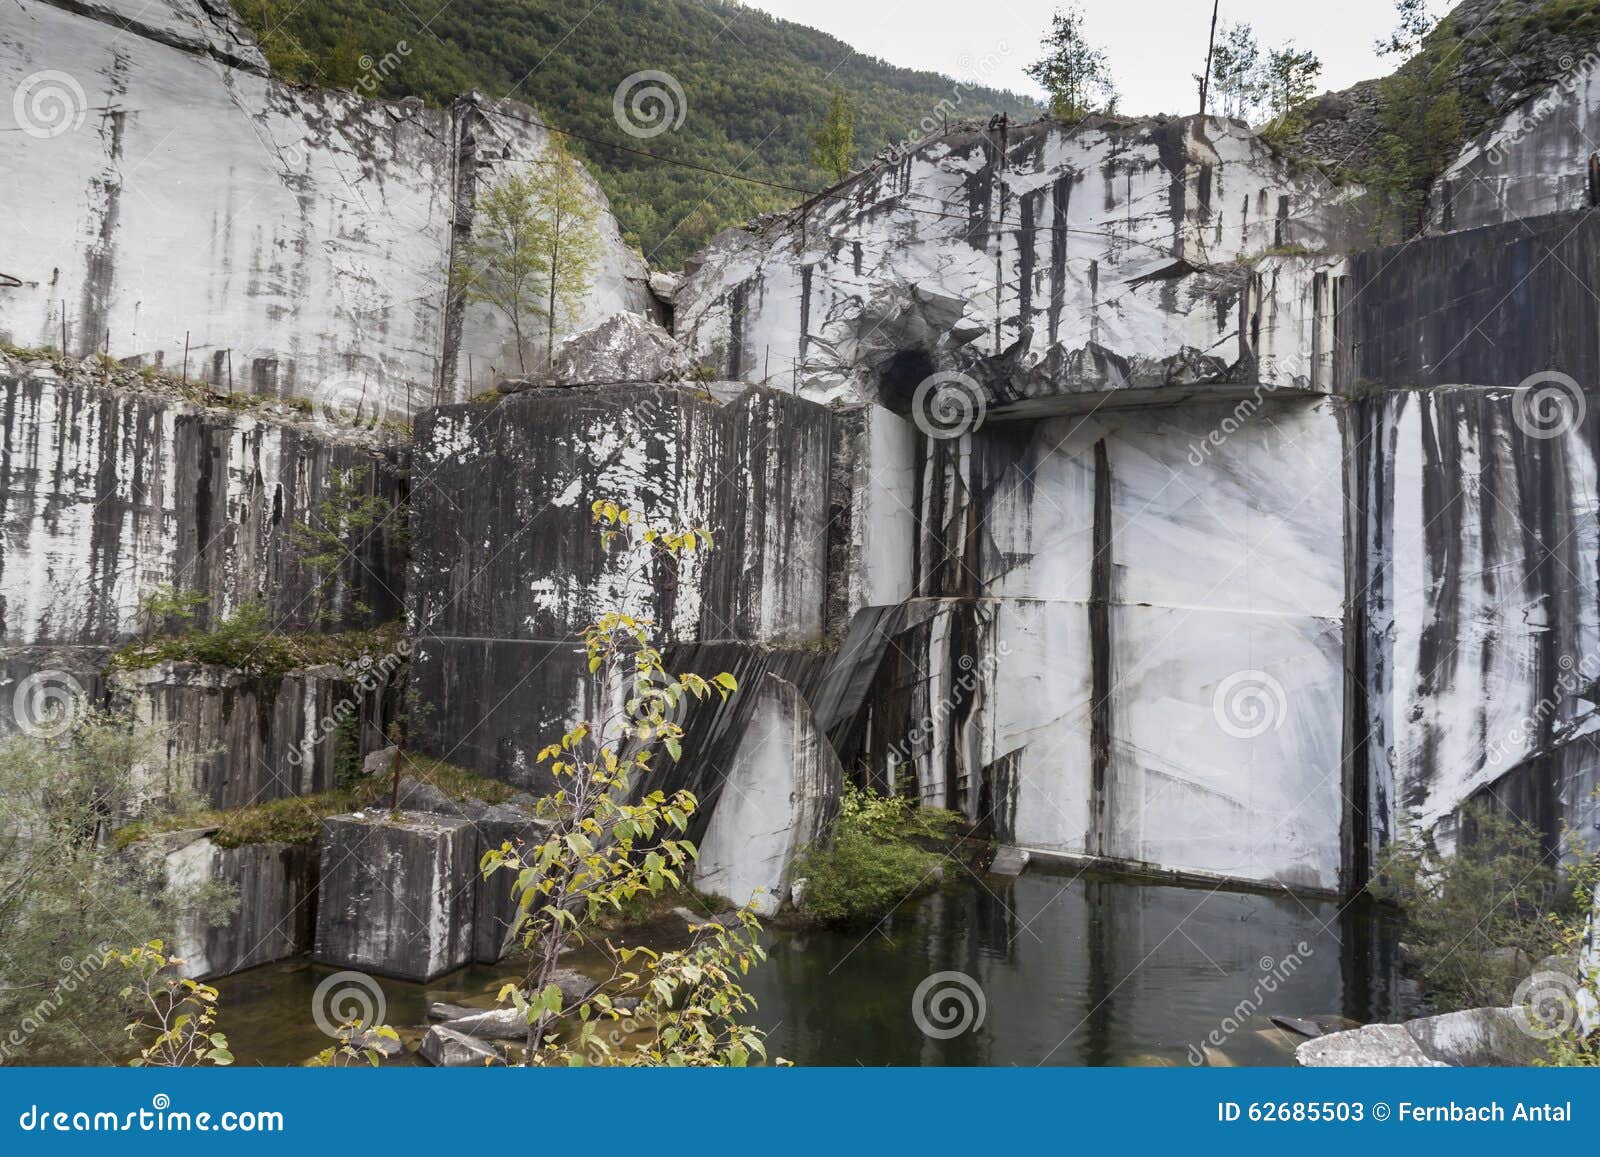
(753, 86)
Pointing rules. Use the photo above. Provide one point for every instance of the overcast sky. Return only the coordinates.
(1155, 46)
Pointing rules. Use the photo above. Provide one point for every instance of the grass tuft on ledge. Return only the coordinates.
(298, 819)
(244, 642)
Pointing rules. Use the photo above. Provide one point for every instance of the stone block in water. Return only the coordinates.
(397, 893)
(273, 882)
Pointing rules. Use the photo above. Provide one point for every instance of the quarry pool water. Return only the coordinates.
(1068, 969)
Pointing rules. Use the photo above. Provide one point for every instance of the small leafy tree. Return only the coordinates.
(571, 243)
(1074, 72)
(1236, 71)
(833, 142)
(165, 605)
(66, 891)
(1289, 80)
(504, 264)
(175, 1016)
(610, 842)
(1469, 913)
(534, 248)
(1415, 21)
(347, 515)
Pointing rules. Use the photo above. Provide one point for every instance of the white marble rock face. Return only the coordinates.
(1223, 644)
(171, 190)
(779, 794)
(1533, 162)
(1113, 242)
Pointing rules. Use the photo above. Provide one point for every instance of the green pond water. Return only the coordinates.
(1040, 970)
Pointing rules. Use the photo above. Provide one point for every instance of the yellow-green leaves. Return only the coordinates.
(175, 1014)
(610, 844)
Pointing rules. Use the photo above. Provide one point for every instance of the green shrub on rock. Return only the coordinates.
(881, 855)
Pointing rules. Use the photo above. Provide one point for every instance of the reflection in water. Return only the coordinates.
(1073, 971)
(1077, 971)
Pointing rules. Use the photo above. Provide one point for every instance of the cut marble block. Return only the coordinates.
(494, 908)
(396, 896)
(274, 885)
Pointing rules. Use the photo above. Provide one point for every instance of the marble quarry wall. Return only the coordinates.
(295, 240)
(1540, 159)
(107, 493)
(1120, 255)
(1475, 468)
(1241, 550)
(508, 567)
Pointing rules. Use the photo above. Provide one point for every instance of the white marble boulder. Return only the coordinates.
(624, 348)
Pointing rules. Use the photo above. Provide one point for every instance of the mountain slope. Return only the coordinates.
(753, 86)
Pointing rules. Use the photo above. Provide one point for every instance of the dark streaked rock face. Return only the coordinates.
(107, 493)
(242, 739)
(274, 884)
(1487, 307)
